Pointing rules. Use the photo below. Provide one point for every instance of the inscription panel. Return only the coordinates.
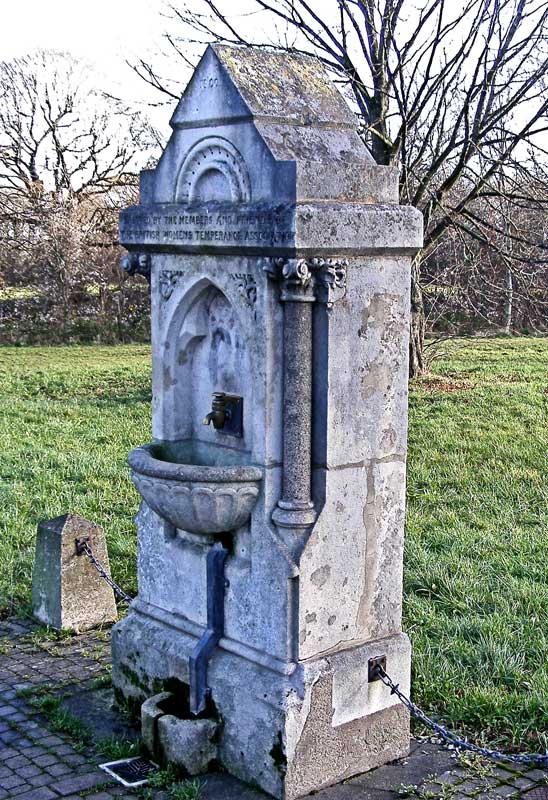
(176, 227)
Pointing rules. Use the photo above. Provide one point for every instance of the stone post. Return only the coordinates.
(67, 591)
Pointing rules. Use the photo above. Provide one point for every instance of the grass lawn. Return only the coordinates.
(68, 416)
(476, 582)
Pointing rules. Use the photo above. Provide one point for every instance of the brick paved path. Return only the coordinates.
(39, 764)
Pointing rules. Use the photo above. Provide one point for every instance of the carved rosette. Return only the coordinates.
(168, 281)
(247, 287)
(308, 280)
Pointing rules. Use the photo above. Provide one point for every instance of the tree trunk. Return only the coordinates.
(509, 305)
(416, 339)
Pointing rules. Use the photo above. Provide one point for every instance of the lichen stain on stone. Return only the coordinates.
(332, 619)
(375, 314)
(320, 576)
(373, 380)
(284, 86)
(310, 617)
(389, 438)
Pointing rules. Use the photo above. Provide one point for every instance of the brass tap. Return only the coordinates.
(217, 415)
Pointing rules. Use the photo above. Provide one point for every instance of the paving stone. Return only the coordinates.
(17, 762)
(460, 796)
(538, 775)
(52, 741)
(7, 753)
(522, 783)
(43, 779)
(22, 789)
(10, 737)
(29, 772)
(46, 760)
(18, 717)
(80, 783)
(35, 751)
(224, 787)
(23, 744)
(11, 781)
(7, 711)
(39, 732)
(65, 749)
(75, 759)
(99, 796)
(470, 786)
(56, 770)
(342, 791)
(505, 791)
(38, 794)
(425, 761)
(450, 778)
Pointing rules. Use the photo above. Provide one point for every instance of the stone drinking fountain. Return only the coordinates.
(270, 532)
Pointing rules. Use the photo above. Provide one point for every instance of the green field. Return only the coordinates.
(476, 581)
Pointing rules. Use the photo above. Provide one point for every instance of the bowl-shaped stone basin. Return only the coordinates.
(196, 498)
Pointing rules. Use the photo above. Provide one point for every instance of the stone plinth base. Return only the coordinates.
(289, 728)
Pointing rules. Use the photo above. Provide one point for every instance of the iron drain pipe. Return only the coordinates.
(200, 656)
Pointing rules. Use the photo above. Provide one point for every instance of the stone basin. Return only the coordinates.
(198, 498)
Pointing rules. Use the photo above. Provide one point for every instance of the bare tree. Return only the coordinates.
(501, 286)
(69, 157)
(454, 94)
(58, 132)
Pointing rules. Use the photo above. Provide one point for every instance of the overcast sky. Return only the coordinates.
(105, 32)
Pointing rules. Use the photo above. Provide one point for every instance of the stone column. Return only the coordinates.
(303, 281)
(295, 508)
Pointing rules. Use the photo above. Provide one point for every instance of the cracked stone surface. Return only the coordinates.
(38, 763)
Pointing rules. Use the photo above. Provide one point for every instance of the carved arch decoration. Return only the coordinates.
(209, 350)
(213, 156)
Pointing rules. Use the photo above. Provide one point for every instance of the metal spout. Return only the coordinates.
(217, 415)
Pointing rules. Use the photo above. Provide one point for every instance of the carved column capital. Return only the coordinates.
(330, 275)
(137, 264)
(295, 279)
(309, 279)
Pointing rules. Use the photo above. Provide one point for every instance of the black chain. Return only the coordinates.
(85, 548)
(538, 759)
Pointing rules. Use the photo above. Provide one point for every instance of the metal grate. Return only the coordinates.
(130, 771)
(538, 793)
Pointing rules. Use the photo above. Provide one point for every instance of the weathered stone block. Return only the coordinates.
(150, 714)
(67, 590)
(188, 743)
